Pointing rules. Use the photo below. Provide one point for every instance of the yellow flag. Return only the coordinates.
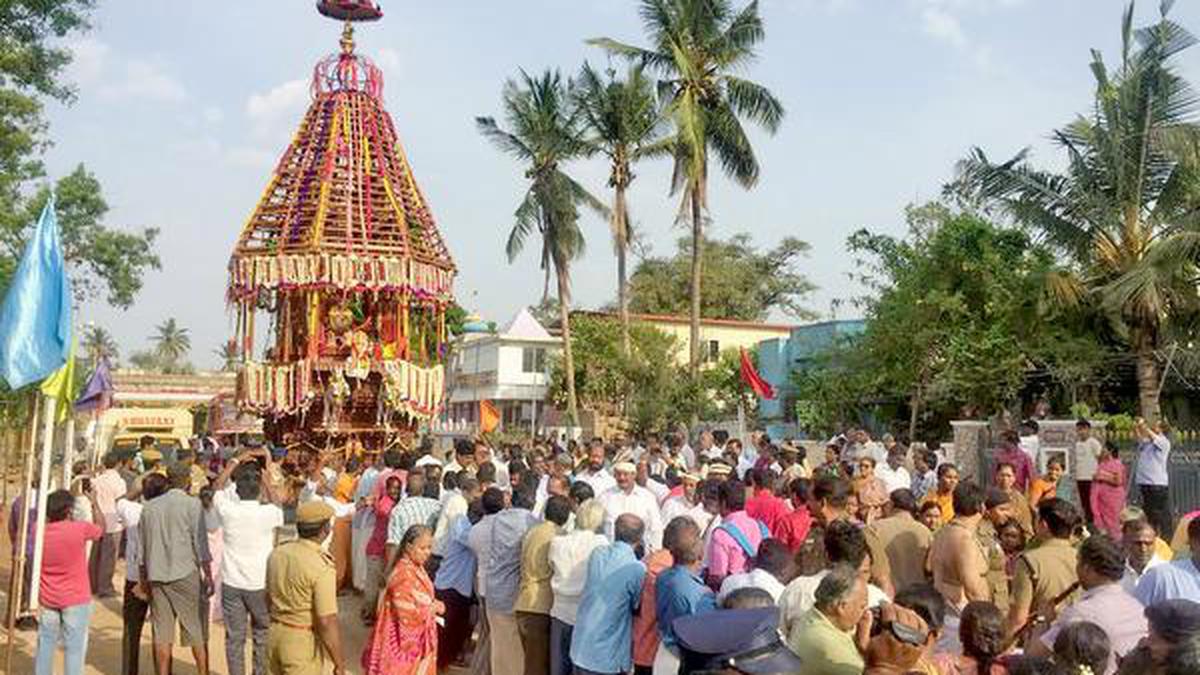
(61, 385)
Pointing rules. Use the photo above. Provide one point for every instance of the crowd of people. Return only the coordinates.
(648, 556)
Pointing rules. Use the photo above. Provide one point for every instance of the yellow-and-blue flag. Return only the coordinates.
(35, 320)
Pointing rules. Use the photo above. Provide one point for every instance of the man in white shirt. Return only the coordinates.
(455, 505)
(1084, 462)
(1137, 538)
(629, 497)
(774, 566)
(892, 473)
(483, 453)
(109, 487)
(248, 528)
(595, 474)
(687, 504)
(1030, 443)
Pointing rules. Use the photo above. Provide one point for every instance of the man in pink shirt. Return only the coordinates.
(1010, 452)
(735, 541)
(65, 591)
(764, 506)
(377, 543)
(109, 487)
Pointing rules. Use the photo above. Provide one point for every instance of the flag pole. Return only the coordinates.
(17, 582)
(43, 489)
(68, 452)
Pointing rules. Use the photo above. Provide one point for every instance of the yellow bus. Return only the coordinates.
(123, 428)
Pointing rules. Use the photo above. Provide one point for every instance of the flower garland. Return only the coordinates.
(290, 389)
(251, 274)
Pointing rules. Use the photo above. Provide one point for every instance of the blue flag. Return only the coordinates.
(35, 320)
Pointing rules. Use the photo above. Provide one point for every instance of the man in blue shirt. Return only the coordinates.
(1154, 448)
(1176, 580)
(602, 642)
(454, 586)
(679, 590)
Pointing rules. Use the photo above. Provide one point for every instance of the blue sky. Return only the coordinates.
(184, 106)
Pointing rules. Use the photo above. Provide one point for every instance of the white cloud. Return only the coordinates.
(944, 26)
(213, 115)
(388, 59)
(275, 112)
(143, 80)
(89, 57)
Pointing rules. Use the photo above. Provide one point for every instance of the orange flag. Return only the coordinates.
(489, 416)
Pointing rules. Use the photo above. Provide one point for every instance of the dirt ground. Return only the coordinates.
(104, 648)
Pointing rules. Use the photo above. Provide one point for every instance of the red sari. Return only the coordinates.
(404, 639)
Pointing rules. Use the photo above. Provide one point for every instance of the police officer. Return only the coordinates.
(999, 511)
(1046, 573)
(302, 589)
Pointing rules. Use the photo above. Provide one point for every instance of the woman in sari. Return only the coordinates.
(1108, 492)
(404, 638)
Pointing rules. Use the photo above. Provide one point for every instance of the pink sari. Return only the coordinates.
(404, 639)
(1108, 500)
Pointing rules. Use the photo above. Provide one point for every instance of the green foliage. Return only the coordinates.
(701, 49)
(32, 59)
(1123, 211)
(955, 322)
(739, 280)
(171, 345)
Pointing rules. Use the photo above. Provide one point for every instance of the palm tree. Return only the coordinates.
(98, 344)
(625, 125)
(230, 356)
(1123, 213)
(171, 343)
(545, 130)
(697, 46)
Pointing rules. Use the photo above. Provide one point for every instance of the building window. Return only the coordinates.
(710, 351)
(533, 360)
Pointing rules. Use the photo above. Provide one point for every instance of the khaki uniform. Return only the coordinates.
(1022, 513)
(1043, 574)
(906, 543)
(997, 576)
(301, 585)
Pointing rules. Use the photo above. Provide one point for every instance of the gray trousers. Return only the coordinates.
(237, 606)
(104, 563)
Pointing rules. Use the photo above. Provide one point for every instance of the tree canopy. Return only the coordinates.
(740, 281)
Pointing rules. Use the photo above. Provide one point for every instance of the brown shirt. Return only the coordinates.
(301, 583)
(906, 543)
(535, 595)
(997, 575)
(1043, 574)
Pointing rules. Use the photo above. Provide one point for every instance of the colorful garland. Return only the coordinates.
(251, 274)
(290, 389)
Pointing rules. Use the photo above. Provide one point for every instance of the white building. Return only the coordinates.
(508, 368)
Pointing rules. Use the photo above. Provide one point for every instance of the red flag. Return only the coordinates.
(750, 376)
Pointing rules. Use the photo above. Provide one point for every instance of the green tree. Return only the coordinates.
(740, 281)
(171, 344)
(1123, 213)
(230, 355)
(98, 343)
(625, 126)
(544, 131)
(103, 261)
(698, 46)
(956, 318)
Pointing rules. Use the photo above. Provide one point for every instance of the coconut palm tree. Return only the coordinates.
(697, 46)
(545, 130)
(171, 343)
(1124, 212)
(230, 356)
(98, 344)
(625, 125)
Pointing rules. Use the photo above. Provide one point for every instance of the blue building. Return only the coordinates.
(778, 358)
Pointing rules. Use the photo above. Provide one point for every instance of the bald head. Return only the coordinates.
(629, 529)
